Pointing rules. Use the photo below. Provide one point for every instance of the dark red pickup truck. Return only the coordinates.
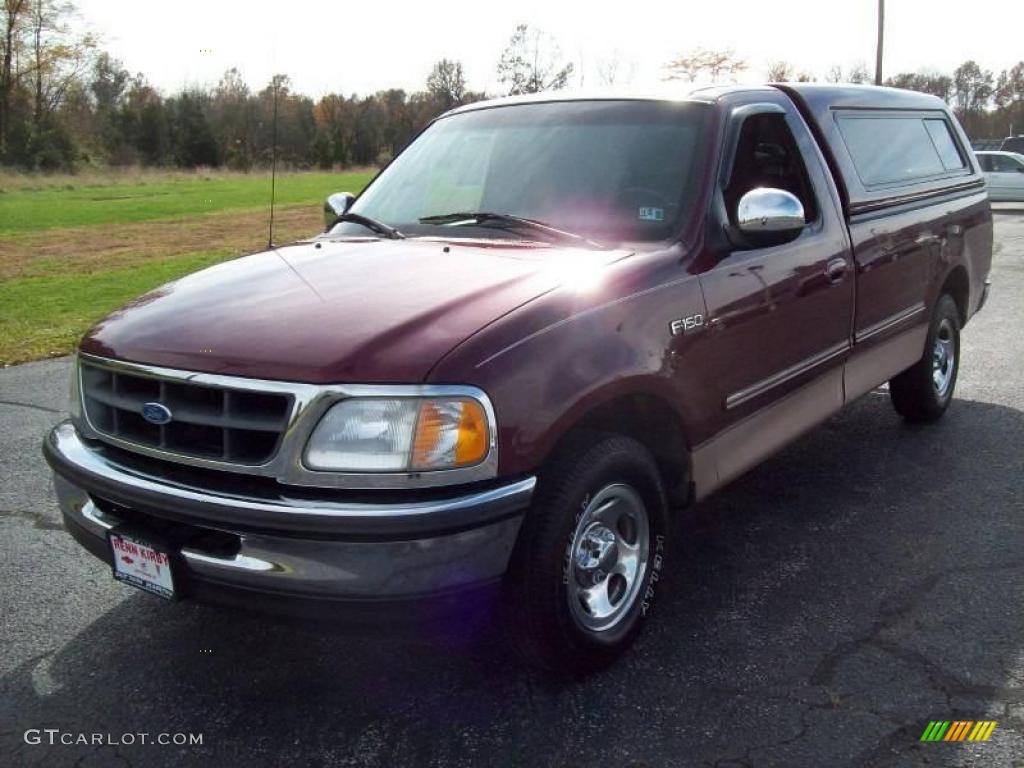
(544, 327)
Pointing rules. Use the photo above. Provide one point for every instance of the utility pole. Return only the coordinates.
(881, 34)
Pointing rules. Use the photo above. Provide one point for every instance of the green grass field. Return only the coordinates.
(73, 249)
(43, 316)
(73, 205)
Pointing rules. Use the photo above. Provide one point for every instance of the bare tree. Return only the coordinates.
(447, 83)
(717, 65)
(972, 91)
(611, 70)
(13, 22)
(1010, 86)
(779, 71)
(40, 56)
(858, 73)
(59, 55)
(925, 82)
(532, 62)
(1009, 96)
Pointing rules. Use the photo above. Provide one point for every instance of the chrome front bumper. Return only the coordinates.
(300, 546)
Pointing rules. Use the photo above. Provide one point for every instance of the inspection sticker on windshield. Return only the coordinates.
(651, 214)
(141, 564)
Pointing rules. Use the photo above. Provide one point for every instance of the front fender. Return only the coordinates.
(548, 364)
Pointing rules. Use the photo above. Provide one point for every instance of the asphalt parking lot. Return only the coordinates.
(825, 608)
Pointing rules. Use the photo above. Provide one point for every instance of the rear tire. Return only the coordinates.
(923, 392)
(589, 555)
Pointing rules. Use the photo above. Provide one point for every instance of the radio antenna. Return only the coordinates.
(273, 164)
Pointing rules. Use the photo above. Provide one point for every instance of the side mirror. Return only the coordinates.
(768, 211)
(335, 205)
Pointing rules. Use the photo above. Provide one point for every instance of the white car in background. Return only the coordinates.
(1004, 175)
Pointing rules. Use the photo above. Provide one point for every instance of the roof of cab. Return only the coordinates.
(819, 100)
(863, 96)
(817, 97)
(595, 95)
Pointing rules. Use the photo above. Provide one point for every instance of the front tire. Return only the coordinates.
(589, 555)
(923, 392)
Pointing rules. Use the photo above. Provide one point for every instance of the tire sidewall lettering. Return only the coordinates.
(655, 564)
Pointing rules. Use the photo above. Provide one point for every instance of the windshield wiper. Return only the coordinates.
(507, 221)
(372, 224)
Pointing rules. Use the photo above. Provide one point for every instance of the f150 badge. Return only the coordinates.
(689, 324)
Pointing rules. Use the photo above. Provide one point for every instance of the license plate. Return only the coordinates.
(142, 564)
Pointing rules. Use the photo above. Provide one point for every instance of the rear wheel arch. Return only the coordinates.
(957, 286)
(923, 392)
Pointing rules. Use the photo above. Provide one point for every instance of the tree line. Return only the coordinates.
(989, 106)
(65, 103)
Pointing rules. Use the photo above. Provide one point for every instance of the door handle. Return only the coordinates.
(835, 269)
(927, 238)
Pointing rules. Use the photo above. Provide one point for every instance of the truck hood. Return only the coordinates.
(330, 311)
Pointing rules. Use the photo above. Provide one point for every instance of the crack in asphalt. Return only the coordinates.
(38, 519)
(44, 408)
(748, 758)
(903, 739)
(940, 679)
(825, 672)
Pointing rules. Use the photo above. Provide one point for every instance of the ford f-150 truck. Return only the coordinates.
(546, 326)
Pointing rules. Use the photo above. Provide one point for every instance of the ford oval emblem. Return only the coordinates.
(156, 413)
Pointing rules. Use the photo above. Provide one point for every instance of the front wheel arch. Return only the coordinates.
(648, 418)
(540, 582)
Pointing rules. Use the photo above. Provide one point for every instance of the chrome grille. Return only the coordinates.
(239, 426)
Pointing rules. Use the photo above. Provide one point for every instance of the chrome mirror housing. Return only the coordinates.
(769, 211)
(335, 205)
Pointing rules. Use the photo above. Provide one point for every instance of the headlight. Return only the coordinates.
(400, 435)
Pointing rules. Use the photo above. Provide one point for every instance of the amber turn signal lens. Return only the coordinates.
(472, 444)
(450, 433)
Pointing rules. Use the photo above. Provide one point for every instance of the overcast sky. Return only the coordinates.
(361, 47)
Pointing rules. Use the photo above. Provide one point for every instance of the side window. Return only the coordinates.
(985, 161)
(887, 150)
(1004, 164)
(901, 149)
(944, 144)
(767, 156)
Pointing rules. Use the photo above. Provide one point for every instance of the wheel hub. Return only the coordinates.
(596, 554)
(943, 358)
(609, 552)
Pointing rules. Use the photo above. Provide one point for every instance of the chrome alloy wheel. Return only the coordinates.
(943, 358)
(609, 554)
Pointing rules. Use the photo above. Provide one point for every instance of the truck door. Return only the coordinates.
(779, 316)
(901, 236)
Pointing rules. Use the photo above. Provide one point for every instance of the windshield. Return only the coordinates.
(607, 170)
